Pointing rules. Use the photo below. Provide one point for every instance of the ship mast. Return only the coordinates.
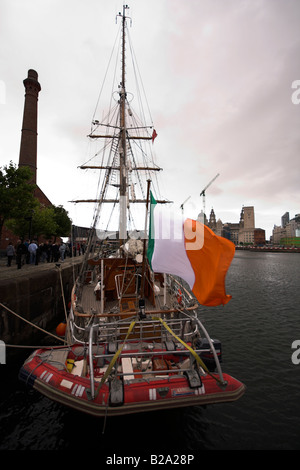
(119, 131)
(122, 142)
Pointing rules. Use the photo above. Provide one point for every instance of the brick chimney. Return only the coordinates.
(28, 148)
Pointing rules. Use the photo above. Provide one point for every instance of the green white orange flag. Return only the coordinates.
(190, 250)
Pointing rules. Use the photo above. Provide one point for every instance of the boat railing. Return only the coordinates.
(116, 330)
(91, 362)
(180, 294)
(180, 349)
(146, 373)
(124, 290)
(212, 348)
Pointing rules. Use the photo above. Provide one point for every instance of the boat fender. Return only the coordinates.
(179, 296)
(193, 378)
(61, 329)
(116, 393)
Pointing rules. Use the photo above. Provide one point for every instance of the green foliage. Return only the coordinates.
(290, 241)
(16, 194)
(22, 213)
(62, 221)
(35, 221)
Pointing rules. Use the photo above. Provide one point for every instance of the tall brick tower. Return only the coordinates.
(28, 148)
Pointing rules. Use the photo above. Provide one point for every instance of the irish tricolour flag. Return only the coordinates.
(190, 250)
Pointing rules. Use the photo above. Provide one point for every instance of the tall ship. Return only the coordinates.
(134, 341)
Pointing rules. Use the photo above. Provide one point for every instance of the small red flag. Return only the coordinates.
(154, 135)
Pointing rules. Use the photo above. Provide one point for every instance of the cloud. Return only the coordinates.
(218, 79)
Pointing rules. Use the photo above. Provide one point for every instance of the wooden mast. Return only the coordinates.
(122, 142)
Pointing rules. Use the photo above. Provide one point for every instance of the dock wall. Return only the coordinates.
(36, 296)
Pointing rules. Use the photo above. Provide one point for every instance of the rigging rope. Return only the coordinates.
(62, 293)
(112, 52)
(135, 67)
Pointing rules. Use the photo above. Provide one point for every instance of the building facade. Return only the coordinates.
(243, 232)
(247, 225)
(259, 236)
(288, 232)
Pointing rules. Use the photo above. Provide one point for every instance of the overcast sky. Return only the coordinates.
(218, 76)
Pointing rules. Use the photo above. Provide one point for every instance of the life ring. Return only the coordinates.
(179, 296)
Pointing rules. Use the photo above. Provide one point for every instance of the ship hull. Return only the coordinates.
(167, 390)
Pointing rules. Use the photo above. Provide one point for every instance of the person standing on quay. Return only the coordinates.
(20, 251)
(10, 251)
(27, 243)
(62, 250)
(32, 252)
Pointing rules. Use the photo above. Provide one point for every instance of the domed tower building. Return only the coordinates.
(212, 224)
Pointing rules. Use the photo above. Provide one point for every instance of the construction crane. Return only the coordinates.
(203, 194)
(181, 207)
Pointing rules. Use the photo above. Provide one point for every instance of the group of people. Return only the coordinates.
(33, 253)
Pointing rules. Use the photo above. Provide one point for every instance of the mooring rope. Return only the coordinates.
(32, 324)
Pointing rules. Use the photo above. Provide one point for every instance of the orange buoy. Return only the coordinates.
(61, 329)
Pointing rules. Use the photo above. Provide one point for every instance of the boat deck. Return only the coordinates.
(91, 303)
